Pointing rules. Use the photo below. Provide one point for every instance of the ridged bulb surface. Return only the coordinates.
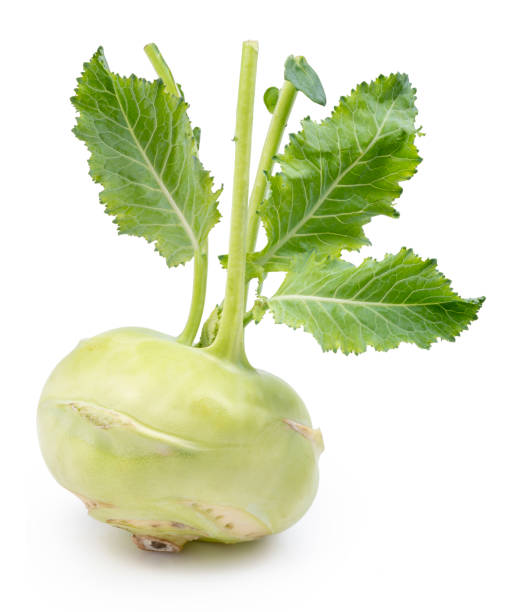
(174, 444)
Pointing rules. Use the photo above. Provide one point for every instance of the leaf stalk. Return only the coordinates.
(200, 264)
(198, 298)
(273, 139)
(162, 69)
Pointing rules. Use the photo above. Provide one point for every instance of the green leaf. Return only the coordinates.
(143, 153)
(380, 303)
(270, 98)
(338, 174)
(304, 78)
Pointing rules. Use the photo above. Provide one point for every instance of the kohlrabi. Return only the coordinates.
(176, 441)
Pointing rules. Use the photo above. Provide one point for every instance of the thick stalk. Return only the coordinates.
(273, 139)
(198, 296)
(271, 145)
(229, 340)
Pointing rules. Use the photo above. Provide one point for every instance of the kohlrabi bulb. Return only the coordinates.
(174, 444)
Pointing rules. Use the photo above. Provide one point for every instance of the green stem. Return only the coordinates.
(229, 342)
(198, 298)
(273, 139)
(271, 145)
(200, 262)
(278, 123)
(161, 67)
(247, 318)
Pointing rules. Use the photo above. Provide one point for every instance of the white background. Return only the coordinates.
(416, 506)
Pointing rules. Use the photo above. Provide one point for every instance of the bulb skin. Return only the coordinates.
(174, 444)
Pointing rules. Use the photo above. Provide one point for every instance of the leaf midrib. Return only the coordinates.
(323, 198)
(157, 178)
(316, 298)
